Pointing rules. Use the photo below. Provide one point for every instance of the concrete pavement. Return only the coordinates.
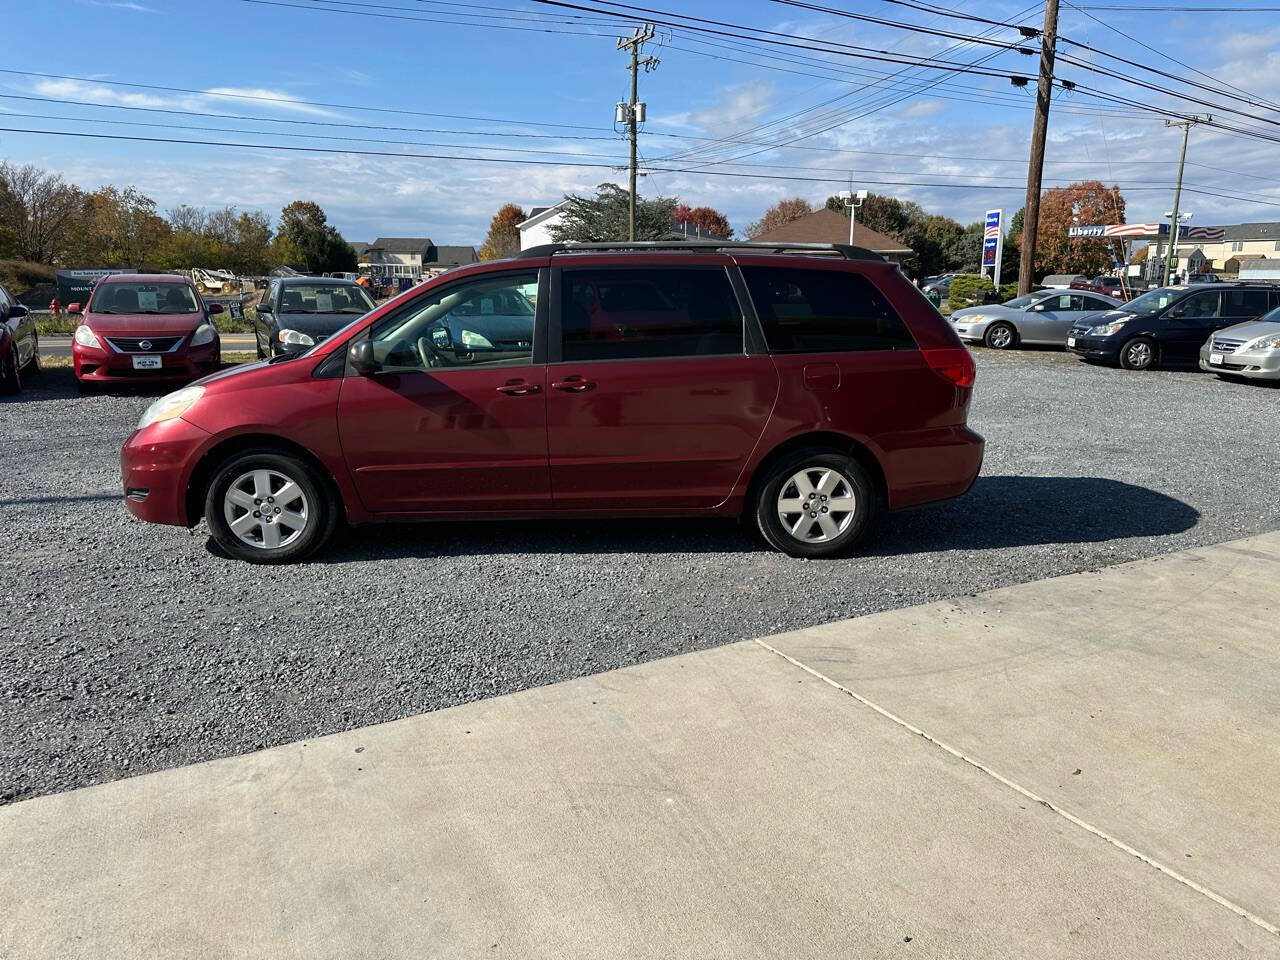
(1082, 767)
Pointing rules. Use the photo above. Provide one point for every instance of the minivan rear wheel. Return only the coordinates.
(268, 507)
(816, 504)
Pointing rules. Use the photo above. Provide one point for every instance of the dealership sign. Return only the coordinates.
(74, 286)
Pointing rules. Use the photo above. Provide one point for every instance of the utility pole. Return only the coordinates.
(1186, 126)
(633, 111)
(1040, 129)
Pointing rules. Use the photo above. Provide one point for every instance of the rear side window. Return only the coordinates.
(823, 311)
(632, 314)
(1244, 303)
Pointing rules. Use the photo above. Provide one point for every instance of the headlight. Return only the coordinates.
(1270, 342)
(472, 339)
(86, 337)
(171, 405)
(204, 334)
(296, 338)
(1107, 329)
(973, 318)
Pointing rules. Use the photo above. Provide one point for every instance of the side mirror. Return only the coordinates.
(18, 310)
(74, 309)
(215, 308)
(264, 307)
(360, 356)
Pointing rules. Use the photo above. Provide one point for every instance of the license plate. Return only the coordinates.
(147, 362)
(1215, 358)
(1071, 341)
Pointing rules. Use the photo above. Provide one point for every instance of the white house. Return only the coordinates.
(537, 229)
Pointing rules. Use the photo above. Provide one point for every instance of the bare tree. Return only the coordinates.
(39, 209)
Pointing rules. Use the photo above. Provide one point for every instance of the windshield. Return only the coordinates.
(1026, 300)
(325, 298)
(1272, 316)
(144, 298)
(1151, 302)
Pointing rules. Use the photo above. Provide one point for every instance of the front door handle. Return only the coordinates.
(574, 384)
(519, 388)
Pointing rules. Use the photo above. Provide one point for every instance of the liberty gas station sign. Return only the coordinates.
(993, 244)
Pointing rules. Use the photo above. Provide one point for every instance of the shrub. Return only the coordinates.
(20, 275)
(1008, 291)
(965, 289)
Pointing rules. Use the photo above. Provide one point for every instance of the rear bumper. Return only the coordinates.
(928, 466)
(105, 365)
(1256, 365)
(155, 464)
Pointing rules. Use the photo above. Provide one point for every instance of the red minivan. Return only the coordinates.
(807, 388)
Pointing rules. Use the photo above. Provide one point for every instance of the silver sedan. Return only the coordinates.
(1043, 317)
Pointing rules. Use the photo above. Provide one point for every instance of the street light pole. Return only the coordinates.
(853, 201)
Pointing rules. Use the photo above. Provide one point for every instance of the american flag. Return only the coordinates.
(993, 232)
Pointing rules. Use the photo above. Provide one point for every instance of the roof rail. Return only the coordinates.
(708, 246)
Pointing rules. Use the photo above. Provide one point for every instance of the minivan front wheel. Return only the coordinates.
(268, 507)
(1138, 354)
(816, 504)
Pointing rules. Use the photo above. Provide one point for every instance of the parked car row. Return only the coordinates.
(1231, 329)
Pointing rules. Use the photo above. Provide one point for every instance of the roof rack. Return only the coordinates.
(708, 246)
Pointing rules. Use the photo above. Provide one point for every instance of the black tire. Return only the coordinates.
(318, 504)
(34, 367)
(10, 377)
(1001, 336)
(1140, 353)
(779, 481)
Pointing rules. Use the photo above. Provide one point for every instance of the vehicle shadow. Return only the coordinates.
(1000, 512)
(59, 383)
(1013, 511)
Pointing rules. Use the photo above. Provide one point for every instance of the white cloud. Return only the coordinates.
(119, 5)
(734, 109)
(215, 99)
(924, 108)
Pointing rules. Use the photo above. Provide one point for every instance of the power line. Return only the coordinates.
(292, 148)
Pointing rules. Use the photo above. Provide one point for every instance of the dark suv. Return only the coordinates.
(806, 388)
(1167, 326)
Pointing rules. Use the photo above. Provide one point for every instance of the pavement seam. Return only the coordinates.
(1031, 795)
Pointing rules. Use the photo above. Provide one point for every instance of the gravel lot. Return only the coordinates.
(126, 648)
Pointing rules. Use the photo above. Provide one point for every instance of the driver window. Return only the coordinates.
(487, 320)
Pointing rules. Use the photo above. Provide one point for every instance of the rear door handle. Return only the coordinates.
(519, 388)
(574, 384)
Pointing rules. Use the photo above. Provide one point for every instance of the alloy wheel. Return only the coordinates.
(816, 504)
(1138, 354)
(266, 509)
(1000, 337)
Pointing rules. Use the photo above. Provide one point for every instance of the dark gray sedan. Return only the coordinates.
(296, 313)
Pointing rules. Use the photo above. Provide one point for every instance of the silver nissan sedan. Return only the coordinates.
(1042, 317)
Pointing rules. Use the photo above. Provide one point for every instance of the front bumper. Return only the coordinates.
(106, 365)
(971, 331)
(1255, 364)
(155, 465)
(1094, 348)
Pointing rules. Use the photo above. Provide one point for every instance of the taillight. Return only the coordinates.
(953, 364)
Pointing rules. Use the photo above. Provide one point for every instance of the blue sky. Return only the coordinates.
(544, 90)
